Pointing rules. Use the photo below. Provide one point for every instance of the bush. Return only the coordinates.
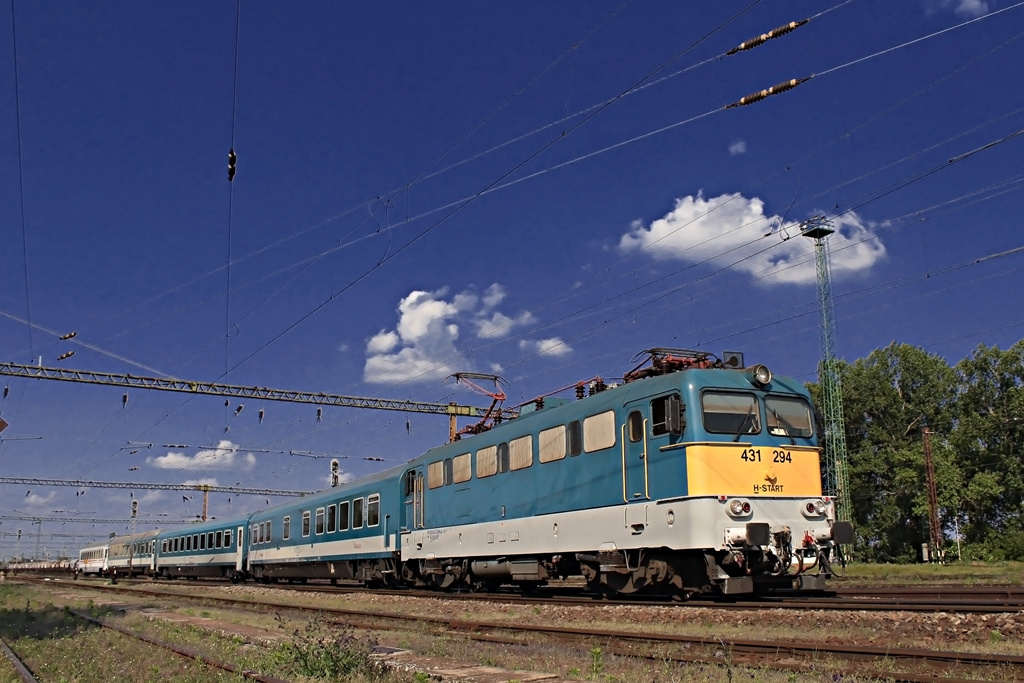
(321, 649)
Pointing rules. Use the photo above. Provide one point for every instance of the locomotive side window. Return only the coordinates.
(462, 468)
(357, 513)
(373, 510)
(486, 462)
(635, 426)
(343, 516)
(599, 432)
(503, 457)
(551, 444)
(521, 452)
(332, 518)
(319, 521)
(435, 475)
(788, 416)
(305, 523)
(574, 438)
(447, 471)
(286, 529)
(730, 413)
(667, 415)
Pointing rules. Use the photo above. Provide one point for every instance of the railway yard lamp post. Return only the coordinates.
(131, 545)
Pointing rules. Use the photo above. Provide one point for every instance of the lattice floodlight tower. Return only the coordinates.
(837, 480)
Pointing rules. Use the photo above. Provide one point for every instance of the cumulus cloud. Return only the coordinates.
(422, 346)
(36, 499)
(738, 147)
(224, 456)
(732, 230)
(964, 8)
(553, 346)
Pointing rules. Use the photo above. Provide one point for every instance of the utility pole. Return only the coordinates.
(837, 481)
(934, 528)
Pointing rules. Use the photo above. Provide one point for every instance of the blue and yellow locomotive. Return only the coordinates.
(692, 475)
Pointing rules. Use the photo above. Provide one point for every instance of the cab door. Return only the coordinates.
(634, 439)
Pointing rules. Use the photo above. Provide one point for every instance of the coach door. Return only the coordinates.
(239, 545)
(412, 509)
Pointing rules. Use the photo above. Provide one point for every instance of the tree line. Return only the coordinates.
(975, 413)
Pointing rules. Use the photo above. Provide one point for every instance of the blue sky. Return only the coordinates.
(539, 190)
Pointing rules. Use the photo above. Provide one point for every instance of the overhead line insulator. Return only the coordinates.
(765, 37)
(774, 90)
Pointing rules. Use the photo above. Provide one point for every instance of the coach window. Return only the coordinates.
(667, 415)
(435, 475)
(599, 432)
(209, 540)
(332, 518)
(174, 545)
(373, 510)
(220, 539)
(305, 523)
(357, 513)
(227, 538)
(188, 543)
(730, 413)
(462, 468)
(270, 531)
(520, 452)
(551, 443)
(635, 426)
(319, 521)
(202, 541)
(343, 516)
(486, 462)
(286, 528)
(788, 416)
(574, 438)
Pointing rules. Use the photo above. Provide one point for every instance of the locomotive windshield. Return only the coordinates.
(730, 412)
(788, 416)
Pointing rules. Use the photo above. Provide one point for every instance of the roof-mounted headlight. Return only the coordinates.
(760, 375)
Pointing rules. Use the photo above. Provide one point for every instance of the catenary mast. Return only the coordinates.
(837, 480)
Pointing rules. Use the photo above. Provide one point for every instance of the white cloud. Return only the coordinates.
(738, 147)
(224, 456)
(730, 230)
(553, 346)
(422, 345)
(209, 481)
(36, 499)
(965, 8)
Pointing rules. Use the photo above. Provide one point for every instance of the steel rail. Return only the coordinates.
(19, 666)
(182, 650)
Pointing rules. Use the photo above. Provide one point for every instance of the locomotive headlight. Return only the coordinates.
(738, 508)
(814, 508)
(762, 375)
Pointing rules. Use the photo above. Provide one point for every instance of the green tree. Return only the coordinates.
(988, 442)
(887, 398)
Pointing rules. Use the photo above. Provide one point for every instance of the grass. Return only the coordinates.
(859, 574)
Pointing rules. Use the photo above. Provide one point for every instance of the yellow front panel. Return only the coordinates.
(744, 470)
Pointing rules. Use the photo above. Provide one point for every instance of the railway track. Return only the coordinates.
(915, 665)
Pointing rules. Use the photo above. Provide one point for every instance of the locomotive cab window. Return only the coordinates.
(667, 415)
(730, 413)
(788, 416)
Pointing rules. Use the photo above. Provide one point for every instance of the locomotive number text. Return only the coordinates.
(751, 454)
(754, 455)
